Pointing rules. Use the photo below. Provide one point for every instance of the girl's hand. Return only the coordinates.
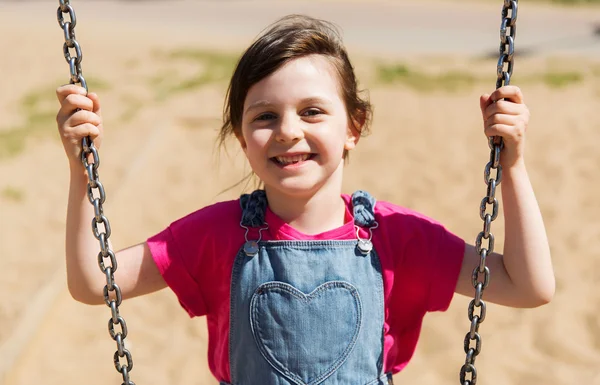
(78, 117)
(506, 118)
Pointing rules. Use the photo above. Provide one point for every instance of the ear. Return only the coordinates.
(353, 134)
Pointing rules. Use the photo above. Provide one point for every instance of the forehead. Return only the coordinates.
(301, 78)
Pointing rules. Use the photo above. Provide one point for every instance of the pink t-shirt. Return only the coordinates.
(420, 263)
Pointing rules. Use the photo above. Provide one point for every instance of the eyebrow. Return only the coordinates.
(266, 103)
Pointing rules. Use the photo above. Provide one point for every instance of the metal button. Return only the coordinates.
(251, 248)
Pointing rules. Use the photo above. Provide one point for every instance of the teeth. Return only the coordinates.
(292, 159)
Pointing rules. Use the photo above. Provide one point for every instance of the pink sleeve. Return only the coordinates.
(171, 264)
(446, 258)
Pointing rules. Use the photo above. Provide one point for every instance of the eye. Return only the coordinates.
(266, 116)
(312, 112)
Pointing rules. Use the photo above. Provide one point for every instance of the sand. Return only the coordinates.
(159, 162)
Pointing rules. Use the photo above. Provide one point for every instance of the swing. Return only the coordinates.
(97, 197)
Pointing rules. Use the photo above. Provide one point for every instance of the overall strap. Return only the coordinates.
(363, 206)
(254, 207)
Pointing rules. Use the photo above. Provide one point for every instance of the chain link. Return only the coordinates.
(95, 191)
(472, 342)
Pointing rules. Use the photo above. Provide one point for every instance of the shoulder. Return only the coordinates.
(422, 256)
(399, 217)
(408, 229)
(211, 225)
(390, 215)
(194, 253)
(202, 235)
(219, 215)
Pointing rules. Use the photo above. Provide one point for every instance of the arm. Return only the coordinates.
(136, 273)
(523, 276)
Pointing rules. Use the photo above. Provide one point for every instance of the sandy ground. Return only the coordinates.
(159, 163)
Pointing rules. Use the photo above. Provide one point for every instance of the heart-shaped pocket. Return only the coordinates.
(306, 337)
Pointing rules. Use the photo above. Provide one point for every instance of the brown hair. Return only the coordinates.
(290, 38)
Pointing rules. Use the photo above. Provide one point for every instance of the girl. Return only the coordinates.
(300, 283)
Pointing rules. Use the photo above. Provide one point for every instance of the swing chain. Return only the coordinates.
(508, 29)
(97, 200)
(68, 27)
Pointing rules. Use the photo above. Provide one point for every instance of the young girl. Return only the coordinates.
(300, 283)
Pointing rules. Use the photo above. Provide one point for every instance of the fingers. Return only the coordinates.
(505, 100)
(72, 98)
(485, 102)
(96, 106)
(510, 93)
(506, 131)
(503, 107)
(505, 115)
(510, 127)
(74, 102)
(78, 117)
(80, 125)
(63, 91)
(83, 116)
(78, 132)
(77, 109)
(500, 119)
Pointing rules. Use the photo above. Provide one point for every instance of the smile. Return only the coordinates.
(294, 160)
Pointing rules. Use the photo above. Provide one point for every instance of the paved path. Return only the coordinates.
(376, 27)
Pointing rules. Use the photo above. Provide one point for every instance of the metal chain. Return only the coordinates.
(112, 293)
(508, 30)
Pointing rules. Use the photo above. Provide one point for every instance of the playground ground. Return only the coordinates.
(161, 71)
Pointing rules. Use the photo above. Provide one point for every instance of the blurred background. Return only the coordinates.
(161, 69)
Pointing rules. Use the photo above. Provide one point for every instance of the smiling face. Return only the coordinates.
(295, 127)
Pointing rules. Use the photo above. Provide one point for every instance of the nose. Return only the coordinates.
(289, 129)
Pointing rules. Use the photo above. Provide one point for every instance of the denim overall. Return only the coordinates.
(306, 312)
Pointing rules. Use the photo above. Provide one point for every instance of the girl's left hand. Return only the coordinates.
(507, 118)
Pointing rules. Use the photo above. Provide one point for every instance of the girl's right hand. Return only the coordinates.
(79, 116)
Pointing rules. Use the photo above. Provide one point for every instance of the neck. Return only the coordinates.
(311, 213)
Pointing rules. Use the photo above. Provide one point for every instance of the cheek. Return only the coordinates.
(256, 141)
(341, 137)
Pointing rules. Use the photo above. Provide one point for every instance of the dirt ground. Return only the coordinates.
(162, 91)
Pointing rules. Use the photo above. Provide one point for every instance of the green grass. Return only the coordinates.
(212, 67)
(452, 81)
(133, 106)
(551, 79)
(211, 58)
(422, 81)
(12, 142)
(39, 116)
(13, 194)
(561, 79)
(39, 108)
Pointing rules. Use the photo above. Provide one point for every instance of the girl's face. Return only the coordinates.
(295, 127)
